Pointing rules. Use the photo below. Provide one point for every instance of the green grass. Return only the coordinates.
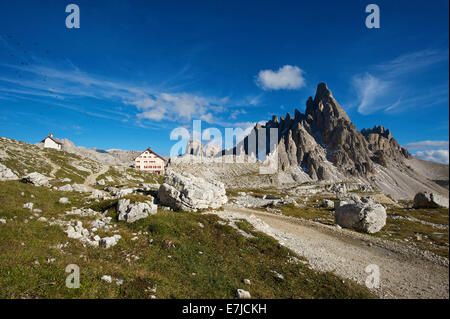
(26, 158)
(169, 262)
(257, 192)
(137, 176)
(24, 162)
(433, 239)
(405, 231)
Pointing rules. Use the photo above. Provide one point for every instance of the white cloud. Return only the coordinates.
(386, 86)
(368, 89)
(434, 151)
(287, 77)
(424, 145)
(439, 156)
(68, 83)
(167, 106)
(412, 62)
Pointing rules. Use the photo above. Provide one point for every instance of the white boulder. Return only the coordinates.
(28, 205)
(97, 194)
(131, 212)
(107, 278)
(327, 203)
(80, 188)
(108, 242)
(124, 192)
(362, 214)
(187, 192)
(243, 294)
(6, 174)
(36, 179)
(64, 200)
(430, 200)
(66, 188)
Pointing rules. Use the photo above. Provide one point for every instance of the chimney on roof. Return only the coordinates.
(51, 134)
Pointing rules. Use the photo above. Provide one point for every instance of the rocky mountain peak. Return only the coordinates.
(382, 144)
(323, 91)
(194, 147)
(324, 143)
(197, 148)
(380, 130)
(275, 119)
(324, 107)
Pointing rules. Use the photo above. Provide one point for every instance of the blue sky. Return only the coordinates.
(135, 70)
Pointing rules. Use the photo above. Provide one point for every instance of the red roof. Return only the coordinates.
(151, 151)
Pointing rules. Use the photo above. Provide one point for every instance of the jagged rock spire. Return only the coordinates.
(325, 143)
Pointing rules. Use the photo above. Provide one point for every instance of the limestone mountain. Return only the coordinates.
(108, 157)
(195, 147)
(324, 144)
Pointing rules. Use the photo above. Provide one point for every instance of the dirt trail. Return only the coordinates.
(91, 179)
(405, 272)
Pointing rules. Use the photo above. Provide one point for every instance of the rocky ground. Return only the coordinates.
(405, 272)
(134, 238)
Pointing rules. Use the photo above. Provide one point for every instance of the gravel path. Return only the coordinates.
(405, 272)
(91, 179)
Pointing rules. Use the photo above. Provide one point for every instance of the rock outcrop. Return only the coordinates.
(6, 174)
(36, 179)
(362, 214)
(430, 200)
(187, 192)
(384, 146)
(81, 188)
(131, 212)
(65, 188)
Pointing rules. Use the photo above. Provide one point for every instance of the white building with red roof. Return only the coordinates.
(52, 142)
(150, 161)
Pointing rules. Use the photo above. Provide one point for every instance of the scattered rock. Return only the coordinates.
(108, 242)
(64, 200)
(243, 294)
(247, 281)
(2, 220)
(429, 200)
(107, 278)
(80, 188)
(97, 194)
(124, 192)
(28, 205)
(278, 275)
(327, 203)
(119, 282)
(101, 182)
(66, 188)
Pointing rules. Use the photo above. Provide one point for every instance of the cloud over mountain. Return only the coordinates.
(287, 77)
